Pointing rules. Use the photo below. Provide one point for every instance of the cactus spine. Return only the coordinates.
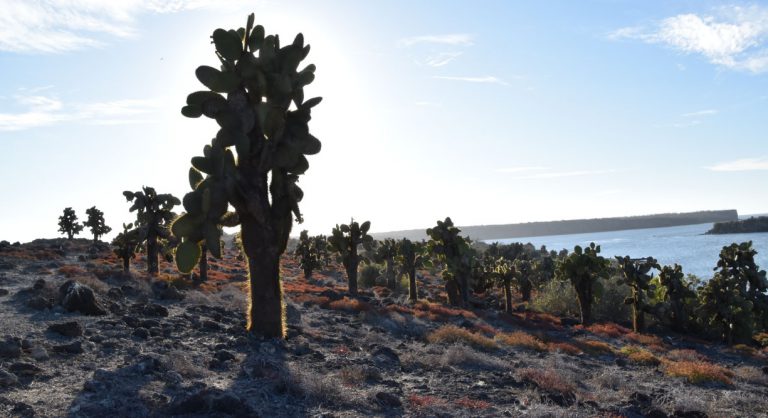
(154, 213)
(261, 81)
(68, 223)
(344, 240)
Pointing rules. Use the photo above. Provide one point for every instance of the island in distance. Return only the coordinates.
(751, 224)
(578, 226)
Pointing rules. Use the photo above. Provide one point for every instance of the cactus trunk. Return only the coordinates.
(638, 318)
(307, 273)
(507, 295)
(464, 285)
(390, 272)
(265, 310)
(126, 265)
(352, 278)
(679, 320)
(412, 291)
(584, 295)
(203, 266)
(265, 313)
(452, 289)
(525, 291)
(152, 264)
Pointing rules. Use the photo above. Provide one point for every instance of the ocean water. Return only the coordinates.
(685, 245)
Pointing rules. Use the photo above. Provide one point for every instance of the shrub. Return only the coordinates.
(349, 305)
(559, 298)
(639, 355)
(454, 334)
(521, 339)
(594, 347)
(698, 372)
(608, 329)
(564, 347)
(548, 380)
(368, 275)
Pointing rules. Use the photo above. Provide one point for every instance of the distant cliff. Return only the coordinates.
(578, 226)
(759, 224)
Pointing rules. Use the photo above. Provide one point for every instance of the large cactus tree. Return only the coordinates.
(344, 240)
(68, 223)
(256, 97)
(674, 291)
(410, 256)
(452, 250)
(635, 274)
(385, 253)
(584, 268)
(154, 213)
(734, 300)
(96, 223)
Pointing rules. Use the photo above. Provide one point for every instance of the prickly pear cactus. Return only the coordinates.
(154, 214)
(68, 223)
(674, 292)
(125, 245)
(410, 256)
(385, 252)
(256, 96)
(583, 268)
(453, 251)
(309, 258)
(344, 240)
(96, 223)
(635, 274)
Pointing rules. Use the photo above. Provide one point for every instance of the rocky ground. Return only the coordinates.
(139, 346)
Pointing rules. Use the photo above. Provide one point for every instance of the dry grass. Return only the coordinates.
(564, 347)
(746, 350)
(594, 347)
(466, 357)
(698, 372)
(485, 328)
(548, 379)
(752, 375)
(685, 355)
(762, 339)
(468, 403)
(652, 341)
(521, 339)
(639, 355)
(608, 329)
(425, 401)
(349, 305)
(356, 376)
(454, 334)
(440, 310)
(70, 271)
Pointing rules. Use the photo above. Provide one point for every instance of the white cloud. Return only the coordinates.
(54, 26)
(42, 111)
(447, 39)
(744, 164)
(441, 59)
(560, 174)
(539, 172)
(520, 169)
(485, 79)
(705, 112)
(732, 37)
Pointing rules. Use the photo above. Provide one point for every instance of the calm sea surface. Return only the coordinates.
(684, 245)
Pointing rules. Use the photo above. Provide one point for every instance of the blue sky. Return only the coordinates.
(491, 112)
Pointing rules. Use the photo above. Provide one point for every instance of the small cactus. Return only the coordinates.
(453, 251)
(410, 256)
(309, 257)
(126, 244)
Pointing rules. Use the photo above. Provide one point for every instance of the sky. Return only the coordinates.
(488, 112)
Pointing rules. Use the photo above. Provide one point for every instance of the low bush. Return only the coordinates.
(521, 339)
(369, 273)
(639, 355)
(454, 334)
(698, 372)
